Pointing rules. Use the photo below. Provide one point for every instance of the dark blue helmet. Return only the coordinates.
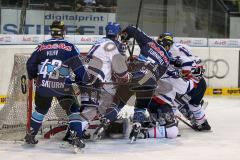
(112, 29)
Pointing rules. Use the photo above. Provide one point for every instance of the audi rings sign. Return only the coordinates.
(218, 68)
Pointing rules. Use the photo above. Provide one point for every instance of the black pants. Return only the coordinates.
(197, 93)
(123, 94)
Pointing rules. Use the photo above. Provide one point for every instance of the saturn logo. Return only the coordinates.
(24, 84)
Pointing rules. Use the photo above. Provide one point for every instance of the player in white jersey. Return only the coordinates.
(181, 66)
(107, 63)
(106, 55)
(191, 72)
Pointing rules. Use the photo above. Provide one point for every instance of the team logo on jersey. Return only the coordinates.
(159, 51)
(110, 47)
(24, 84)
(55, 46)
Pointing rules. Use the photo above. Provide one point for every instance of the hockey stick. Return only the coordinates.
(185, 122)
(137, 23)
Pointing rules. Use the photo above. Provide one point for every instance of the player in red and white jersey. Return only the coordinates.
(188, 83)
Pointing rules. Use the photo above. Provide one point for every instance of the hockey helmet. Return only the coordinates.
(113, 29)
(165, 34)
(165, 39)
(57, 28)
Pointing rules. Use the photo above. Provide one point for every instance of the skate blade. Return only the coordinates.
(28, 145)
(96, 137)
(132, 140)
(77, 150)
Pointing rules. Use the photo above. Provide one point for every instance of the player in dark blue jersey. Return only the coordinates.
(155, 58)
(149, 48)
(50, 65)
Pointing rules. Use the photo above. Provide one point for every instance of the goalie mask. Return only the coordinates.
(57, 28)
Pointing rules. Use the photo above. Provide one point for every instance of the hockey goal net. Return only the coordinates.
(16, 113)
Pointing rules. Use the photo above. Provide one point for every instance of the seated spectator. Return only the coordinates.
(106, 5)
(89, 5)
(89, 2)
(79, 5)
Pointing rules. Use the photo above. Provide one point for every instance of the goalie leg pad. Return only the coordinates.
(163, 132)
(172, 132)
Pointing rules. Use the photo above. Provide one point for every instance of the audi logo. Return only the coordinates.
(216, 68)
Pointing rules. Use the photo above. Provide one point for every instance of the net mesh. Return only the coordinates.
(13, 115)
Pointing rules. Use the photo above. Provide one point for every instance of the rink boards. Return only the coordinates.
(221, 60)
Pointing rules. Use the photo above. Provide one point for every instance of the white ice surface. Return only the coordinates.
(223, 143)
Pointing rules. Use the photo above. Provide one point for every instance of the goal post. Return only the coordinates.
(29, 104)
(16, 113)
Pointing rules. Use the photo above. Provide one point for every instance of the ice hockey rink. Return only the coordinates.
(222, 143)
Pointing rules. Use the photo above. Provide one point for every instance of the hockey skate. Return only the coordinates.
(68, 137)
(143, 134)
(101, 128)
(202, 127)
(77, 142)
(136, 128)
(30, 139)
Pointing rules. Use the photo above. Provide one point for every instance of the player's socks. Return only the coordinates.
(77, 127)
(76, 124)
(36, 122)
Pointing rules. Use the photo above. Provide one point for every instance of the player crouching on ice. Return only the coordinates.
(50, 65)
(188, 84)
